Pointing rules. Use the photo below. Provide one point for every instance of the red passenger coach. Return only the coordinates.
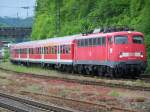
(116, 54)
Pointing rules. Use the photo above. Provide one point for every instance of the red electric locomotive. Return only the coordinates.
(117, 53)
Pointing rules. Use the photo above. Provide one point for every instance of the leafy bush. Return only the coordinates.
(6, 55)
(148, 51)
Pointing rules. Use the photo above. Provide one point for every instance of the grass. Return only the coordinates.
(54, 73)
(4, 82)
(34, 88)
(114, 93)
(19, 68)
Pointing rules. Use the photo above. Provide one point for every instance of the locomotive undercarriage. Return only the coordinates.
(117, 70)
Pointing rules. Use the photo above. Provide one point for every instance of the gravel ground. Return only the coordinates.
(4, 110)
(124, 98)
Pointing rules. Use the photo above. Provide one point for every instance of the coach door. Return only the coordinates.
(58, 53)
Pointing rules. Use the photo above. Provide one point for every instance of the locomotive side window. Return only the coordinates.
(79, 42)
(86, 42)
(137, 39)
(82, 42)
(121, 39)
(94, 41)
(90, 42)
(103, 41)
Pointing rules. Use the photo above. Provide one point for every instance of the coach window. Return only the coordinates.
(19, 51)
(46, 50)
(29, 50)
(63, 49)
(60, 49)
(121, 39)
(25, 51)
(38, 50)
(53, 50)
(67, 49)
(32, 51)
(49, 48)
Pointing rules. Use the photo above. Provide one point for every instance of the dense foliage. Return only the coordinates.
(80, 15)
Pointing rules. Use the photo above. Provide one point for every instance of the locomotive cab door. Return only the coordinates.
(110, 49)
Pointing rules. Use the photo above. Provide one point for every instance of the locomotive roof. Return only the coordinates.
(66, 39)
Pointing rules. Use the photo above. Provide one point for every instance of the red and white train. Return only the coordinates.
(116, 54)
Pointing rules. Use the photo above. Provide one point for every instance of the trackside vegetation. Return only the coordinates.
(77, 16)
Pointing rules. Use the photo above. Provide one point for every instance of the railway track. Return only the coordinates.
(108, 108)
(19, 104)
(87, 82)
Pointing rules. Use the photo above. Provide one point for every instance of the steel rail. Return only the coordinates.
(106, 106)
(19, 104)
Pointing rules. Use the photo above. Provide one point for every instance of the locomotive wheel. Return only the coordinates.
(100, 71)
(80, 69)
(87, 70)
(110, 72)
(69, 68)
(118, 73)
(75, 69)
(42, 65)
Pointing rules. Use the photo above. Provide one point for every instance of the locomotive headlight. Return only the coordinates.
(142, 55)
(120, 55)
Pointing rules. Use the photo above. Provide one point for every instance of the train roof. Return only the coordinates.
(67, 39)
(46, 42)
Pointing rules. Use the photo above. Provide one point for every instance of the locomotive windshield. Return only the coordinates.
(121, 39)
(138, 39)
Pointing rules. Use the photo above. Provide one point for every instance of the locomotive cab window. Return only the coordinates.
(121, 39)
(137, 39)
(110, 40)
